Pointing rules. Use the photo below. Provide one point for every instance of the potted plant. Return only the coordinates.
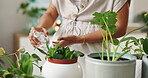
(139, 47)
(62, 62)
(113, 64)
(22, 68)
(145, 60)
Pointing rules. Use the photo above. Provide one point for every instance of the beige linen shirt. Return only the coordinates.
(76, 20)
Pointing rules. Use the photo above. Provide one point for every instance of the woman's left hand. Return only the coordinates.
(69, 40)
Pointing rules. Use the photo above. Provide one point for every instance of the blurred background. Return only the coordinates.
(18, 16)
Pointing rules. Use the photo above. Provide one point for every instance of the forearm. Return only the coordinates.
(46, 21)
(97, 36)
(48, 17)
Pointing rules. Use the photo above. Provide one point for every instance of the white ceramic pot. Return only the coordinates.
(138, 68)
(62, 69)
(96, 68)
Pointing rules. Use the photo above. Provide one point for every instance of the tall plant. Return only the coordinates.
(107, 21)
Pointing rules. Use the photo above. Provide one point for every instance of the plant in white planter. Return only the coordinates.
(62, 63)
(22, 68)
(113, 64)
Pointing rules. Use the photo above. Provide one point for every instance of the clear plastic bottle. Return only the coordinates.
(42, 38)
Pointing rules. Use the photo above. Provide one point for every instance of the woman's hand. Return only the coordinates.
(34, 41)
(69, 40)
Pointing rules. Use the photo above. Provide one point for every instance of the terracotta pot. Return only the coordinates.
(62, 68)
(62, 61)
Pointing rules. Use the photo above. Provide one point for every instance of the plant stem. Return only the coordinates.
(103, 41)
(114, 54)
(120, 55)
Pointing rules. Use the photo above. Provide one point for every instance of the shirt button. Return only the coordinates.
(81, 6)
(75, 15)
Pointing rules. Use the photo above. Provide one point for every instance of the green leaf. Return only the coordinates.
(40, 50)
(22, 50)
(126, 48)
(145, 45)
(24, 5)
(2, 51)
(51, 52)
(2, 71)
(116, 41)
(128, 38)
(127, 43)
(58, 56)
(138, 50)
(47, 44)
(78, 53)
(36, 57)
(27, 67)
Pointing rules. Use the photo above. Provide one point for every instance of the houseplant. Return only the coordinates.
(61, 61)
(22, 68)
(115, 65)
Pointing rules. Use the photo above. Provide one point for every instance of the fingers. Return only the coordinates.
(34, 41)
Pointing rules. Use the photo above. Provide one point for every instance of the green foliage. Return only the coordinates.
(107, 21)
(31, 11)
(61, 52)
(22, 68)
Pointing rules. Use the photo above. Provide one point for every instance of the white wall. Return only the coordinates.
(10, 22)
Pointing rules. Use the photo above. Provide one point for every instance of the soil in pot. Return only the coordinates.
(105, 58)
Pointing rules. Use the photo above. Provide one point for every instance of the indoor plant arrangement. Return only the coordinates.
(61, 61)
(22, 68)
(113, 64)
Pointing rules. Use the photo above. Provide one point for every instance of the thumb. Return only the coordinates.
(45, 31)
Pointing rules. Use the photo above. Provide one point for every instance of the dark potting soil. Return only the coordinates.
(105, 58)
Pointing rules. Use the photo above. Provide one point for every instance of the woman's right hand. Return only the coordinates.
(34, 41)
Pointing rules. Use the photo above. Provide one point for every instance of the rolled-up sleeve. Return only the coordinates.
(118, 4)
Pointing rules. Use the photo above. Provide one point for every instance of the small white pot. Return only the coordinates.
(96, 68)
(145, 66)
(138, 68)
(62, 70)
